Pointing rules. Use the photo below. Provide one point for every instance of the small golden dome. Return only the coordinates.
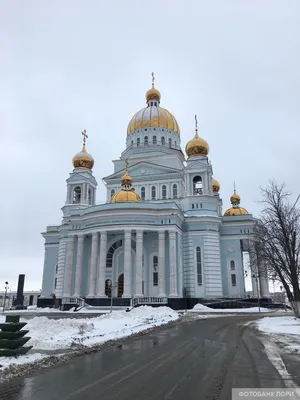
(235, 198)
(215, 185)
(235, 211)
(126, 178)
(197, 146)
(83, 159)
(153, 94)
(124, 196)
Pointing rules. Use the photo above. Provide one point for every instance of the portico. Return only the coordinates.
(130, 258)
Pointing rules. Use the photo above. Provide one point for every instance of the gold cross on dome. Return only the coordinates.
(153, 79)
(85, 136)
(196, 123)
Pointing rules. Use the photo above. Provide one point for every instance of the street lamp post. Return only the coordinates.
(111, 286)
(4, 301)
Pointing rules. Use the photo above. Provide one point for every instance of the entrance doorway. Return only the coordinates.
(121, 285)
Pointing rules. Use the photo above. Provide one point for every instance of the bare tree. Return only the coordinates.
(277, 240)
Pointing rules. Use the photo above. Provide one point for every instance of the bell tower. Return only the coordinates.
(81, 184)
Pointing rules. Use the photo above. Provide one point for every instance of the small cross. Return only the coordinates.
(153, 79)
(234, 186)
(85, 136)
(196, 123)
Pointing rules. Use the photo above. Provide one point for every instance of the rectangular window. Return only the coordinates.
(233, 279)
(199, 266)
(155, 278)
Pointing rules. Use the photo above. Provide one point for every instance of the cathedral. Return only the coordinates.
(161, 237)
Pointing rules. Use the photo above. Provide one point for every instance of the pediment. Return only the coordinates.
(142, 169)
(76, 177)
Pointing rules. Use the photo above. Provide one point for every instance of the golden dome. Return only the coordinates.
(235, 198)
(153, 94)
(126, 178)
(235, 211)
(197, 146)
(153, 116)
(215, 185)
(124, 196)
(83, 159)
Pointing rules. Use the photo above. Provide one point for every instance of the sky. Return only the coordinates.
(71, 65)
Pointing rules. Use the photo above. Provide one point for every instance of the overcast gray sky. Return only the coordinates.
(71, 65)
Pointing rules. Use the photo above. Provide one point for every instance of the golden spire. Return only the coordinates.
(85, 136)
(196, 127)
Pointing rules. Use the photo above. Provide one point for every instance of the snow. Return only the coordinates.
(286, 325)
(72, 333)
(202, 308)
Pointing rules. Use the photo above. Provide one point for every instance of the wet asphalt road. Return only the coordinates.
(202, 359)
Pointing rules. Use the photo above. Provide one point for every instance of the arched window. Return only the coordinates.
(175, 191)
(233, 279)
(143, 193)
(164, 192)
(153, 193)
(232, 265)
(90, 196)
(197, 185)
(146, 140)
(107, 288)
(113, 248)
(112, 192)
(138, 141)
(163, 140)
(155, 272)
(199, 265)
(154, 139)
(77, 195)
(170, 142)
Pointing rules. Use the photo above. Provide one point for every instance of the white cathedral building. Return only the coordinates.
(160, 237)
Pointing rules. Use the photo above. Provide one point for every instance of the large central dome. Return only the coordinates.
(153, 116)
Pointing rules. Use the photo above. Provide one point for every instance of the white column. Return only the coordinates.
(61, 262)
(102, 265)
(78, 274)
(93, 268)
(161, 264)
(172, 260)
(139, 264)
(127, 264)
(69, 267)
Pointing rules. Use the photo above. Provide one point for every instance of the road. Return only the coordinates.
(202, 359)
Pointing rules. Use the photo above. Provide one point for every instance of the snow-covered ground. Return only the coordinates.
(202, 308)
(282, 337)
(73, 333)
(286, 325)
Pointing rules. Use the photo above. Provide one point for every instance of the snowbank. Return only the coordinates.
(286, 325)
(66, 333)
(202, 308)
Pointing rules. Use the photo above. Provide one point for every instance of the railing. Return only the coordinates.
(73, 300)
(149, 300)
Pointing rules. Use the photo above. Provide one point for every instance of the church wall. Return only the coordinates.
(179, 264)
(50, 262)
(74, 266)
(212, 265)
(150, 249)
(230, 250)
